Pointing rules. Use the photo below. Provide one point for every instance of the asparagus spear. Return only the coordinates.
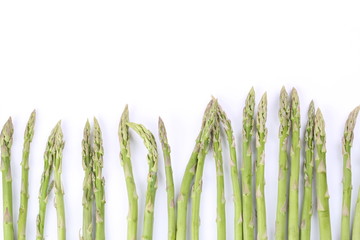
(24, 195)
(282, 202)
(99, 182)
(247, 133)
(129, 178)
(6, 139)
(261, 135)
(347, 143)
(294, 167)
(238, 223)
(152, 157)
(305, 228)
(183, 197)
(356, 224)
(88, 194)
(169, 181)
(59, 190)
(322, 193)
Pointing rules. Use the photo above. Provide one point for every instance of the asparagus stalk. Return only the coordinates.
(6, 139)
(152, 157)
(169, 181)
(24, 194)
(99, 182)
(321, 182)
(294, 167)
(129, 177)
(247, 133)
(221, 216)
(356, 224)
(261, 135)
(88, 194)
(305, 228)
(346, 150)
(238, 222)
(59, 190)
(282, 202)
(182, 201)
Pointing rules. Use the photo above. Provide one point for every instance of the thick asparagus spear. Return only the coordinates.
(305, 227)
(152, 157)
(346, 150)
(99, 182)
(24, 195)
(261, 135)
(247, 134)
(197, 187)
(238, 222)
(322, 193)
(170, 189)
(293, 228)
(129, 177)
(6, 139)
(88, 194)
(282, 201)
(356, 224)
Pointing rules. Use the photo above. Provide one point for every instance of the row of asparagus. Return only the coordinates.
(249, 221)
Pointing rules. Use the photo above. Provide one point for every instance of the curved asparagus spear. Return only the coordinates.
(24, 194)
(169, 181)
(247, 133)
(305, 228)
(88, 194)
(129, 177)
(356, 224)
(152, 157)
(238, 222)
(294, 167)
(261, 135)
(322, 193)
(6, 139)
(99, 182)
(282, 200)
(346, 150)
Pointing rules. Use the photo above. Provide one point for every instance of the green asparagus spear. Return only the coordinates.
(24, 195)
(261, 135)
(88, 194)
(169, 181)
(129, 177)
(247, 134)
(294, 167)
(99, 182)
(238, 223)
(322, 193)
(347, 143)
(356, 224)
(152, 157)
(282, 202)
(6, 139)
(305, 228)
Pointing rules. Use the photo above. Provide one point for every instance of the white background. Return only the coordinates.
(73, 60)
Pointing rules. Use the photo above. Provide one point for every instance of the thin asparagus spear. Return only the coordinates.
(282, 202)
(347, 188)
(152, 157)
(305, 228)
(88, 194)
(24, 194)
(170, 189)
(238, 222)
(322, 193)
(99, 182)
(129, 177)
(247, 134)
(6, 139)
(182, 201)
(356, 224)
(59, 190)
(261, 135)
(294, 167)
